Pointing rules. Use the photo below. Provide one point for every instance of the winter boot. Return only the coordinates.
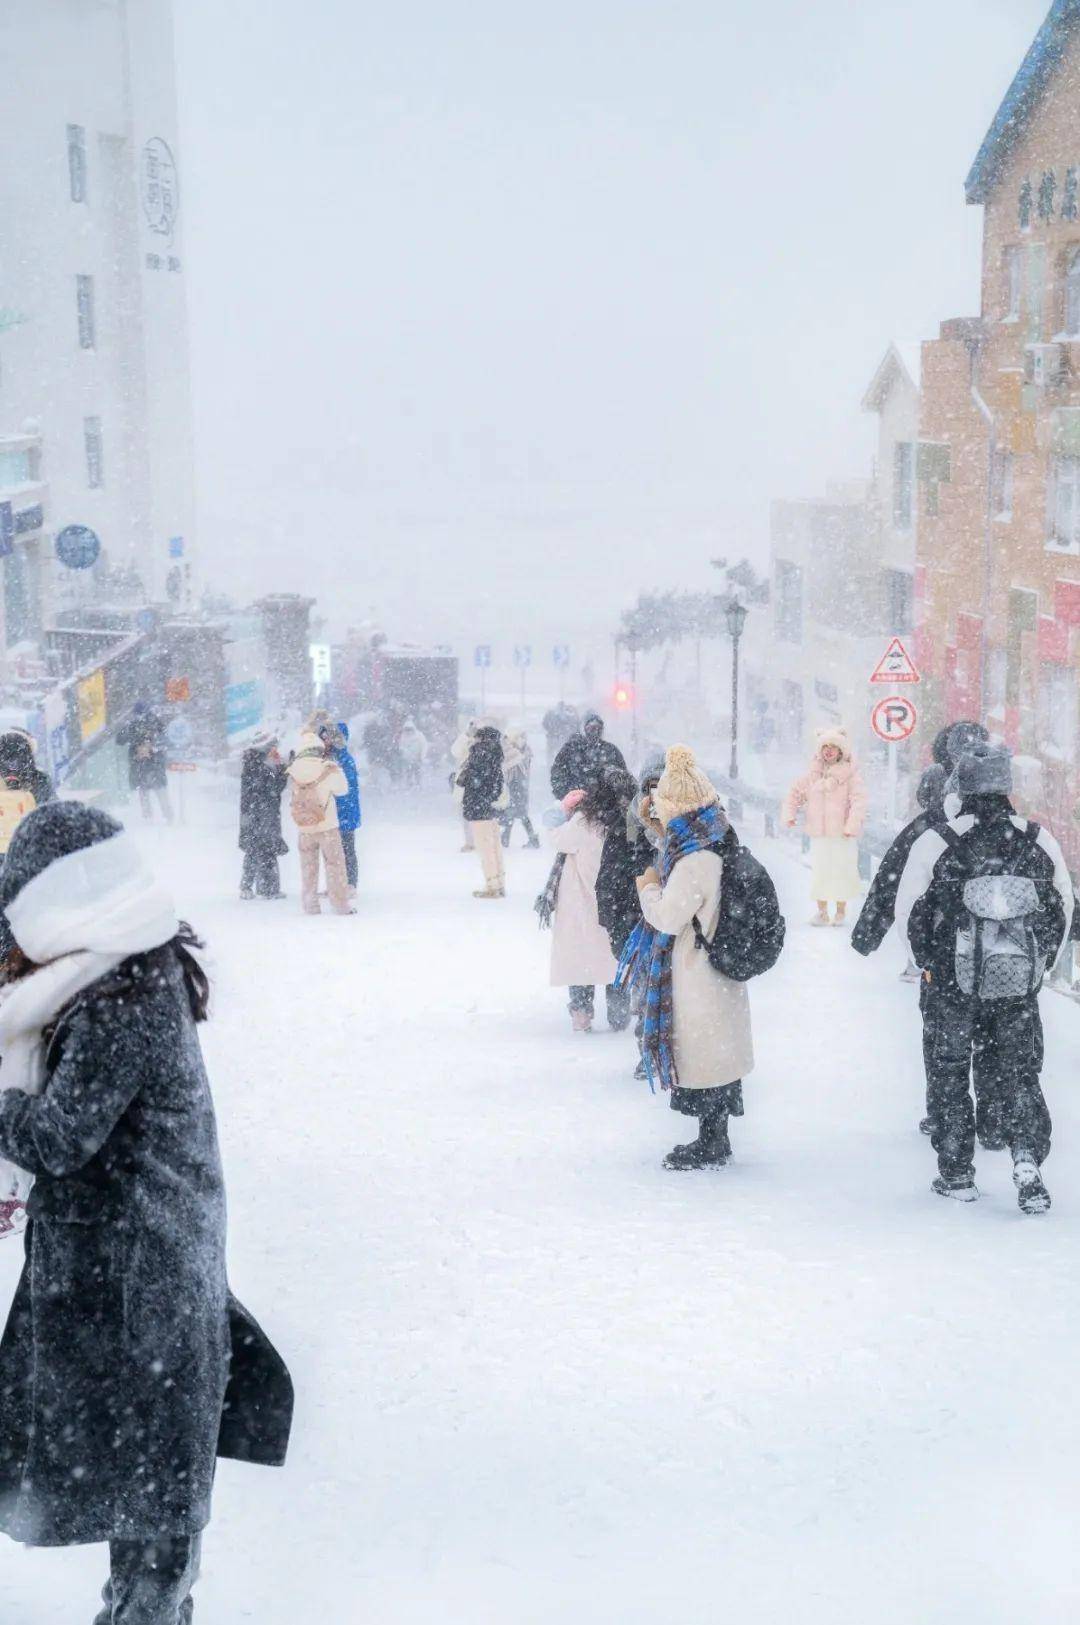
(488, 892)
(246, 894)
(581, 1021)
(641, 1071)
(841, 915)
(1031, 1193)
(962, 1189)
(711, 1149)
(532, 844)
(926, 1126)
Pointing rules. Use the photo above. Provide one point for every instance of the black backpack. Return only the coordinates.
(750, 934)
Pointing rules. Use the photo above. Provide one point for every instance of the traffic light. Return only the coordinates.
(624, 697)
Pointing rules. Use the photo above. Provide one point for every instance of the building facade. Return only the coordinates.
(95, 414)
(998, 571)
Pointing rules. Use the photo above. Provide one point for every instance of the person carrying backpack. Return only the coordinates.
(23, 786)
(317, 780)
(986, 903)
(697, 1039)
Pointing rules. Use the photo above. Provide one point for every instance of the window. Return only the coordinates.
(15, 468)
(84, 303)
(789, 602)
(903, 482)
(1072, 295)
(899, 601)
(1014, 280)
(1064, 503)
(76, 153)
(1057, 711)
(1002, 484)
(95, 465)
(791, 715)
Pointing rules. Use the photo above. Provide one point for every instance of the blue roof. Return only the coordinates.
(1036, 70)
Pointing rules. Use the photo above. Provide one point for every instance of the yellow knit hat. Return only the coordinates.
(683, 787)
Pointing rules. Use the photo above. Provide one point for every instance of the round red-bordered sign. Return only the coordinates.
(894, 719)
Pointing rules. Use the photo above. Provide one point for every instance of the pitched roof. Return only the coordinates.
(902, 359)
(1035, 72)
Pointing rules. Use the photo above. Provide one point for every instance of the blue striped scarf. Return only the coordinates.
(646, 959)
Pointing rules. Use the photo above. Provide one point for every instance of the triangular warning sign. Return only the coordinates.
(896, 666)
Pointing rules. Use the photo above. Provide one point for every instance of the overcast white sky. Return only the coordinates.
(503, 311)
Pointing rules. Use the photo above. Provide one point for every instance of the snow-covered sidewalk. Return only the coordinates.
(541, 1380)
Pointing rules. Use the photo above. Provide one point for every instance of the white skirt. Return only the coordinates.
(835, 876)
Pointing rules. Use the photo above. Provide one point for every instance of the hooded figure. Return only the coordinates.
(262, 782)
(584, 757)
(144, 736)
(126, 1366)
(879, 910)
(697, 1039)
(23, 786)
(317, 782)
(336, 739)
(834, 798)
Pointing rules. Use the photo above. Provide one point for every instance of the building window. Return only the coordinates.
(76, 152)
(903, 483)
(1065, 503)
(1003, 484)
(95, 463)
(1014, 264)
(14, 468)
(1057, 711)
(899, 601)
(1072, 295)
(791, 715)
(84, 304)
(1027, 199)
(789, 602)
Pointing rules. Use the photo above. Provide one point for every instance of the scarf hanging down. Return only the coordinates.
(648, 954)
(547, 902)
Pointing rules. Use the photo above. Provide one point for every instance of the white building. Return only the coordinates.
(95, 414)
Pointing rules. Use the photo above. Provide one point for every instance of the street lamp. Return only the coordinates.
(735, 614)
(634, 643)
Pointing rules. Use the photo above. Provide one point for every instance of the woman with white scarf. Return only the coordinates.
(126, 1367)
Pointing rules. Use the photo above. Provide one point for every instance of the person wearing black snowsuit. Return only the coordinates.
(583, 758)
(144, 736)
(19, 769)
(617, 906)
(263, 777)
(481, 779)
(1001, 1037)
(879, 910)
(126, 1366)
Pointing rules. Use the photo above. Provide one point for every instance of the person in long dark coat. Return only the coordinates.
(148, 758)
(262, 783)
(583, 758)
(481, 779)
(126, 1366)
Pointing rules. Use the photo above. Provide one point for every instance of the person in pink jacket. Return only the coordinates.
(834, 798)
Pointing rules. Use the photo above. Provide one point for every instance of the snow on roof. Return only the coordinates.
(1035, 72)
(903, 358)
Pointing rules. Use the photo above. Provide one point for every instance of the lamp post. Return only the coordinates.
(735, 614)
(633, 642)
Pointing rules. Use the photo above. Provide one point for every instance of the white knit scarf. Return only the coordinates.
(77, 920)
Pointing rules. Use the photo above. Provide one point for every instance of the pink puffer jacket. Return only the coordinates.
(834, 796)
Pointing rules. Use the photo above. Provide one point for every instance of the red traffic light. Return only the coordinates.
(624, 696)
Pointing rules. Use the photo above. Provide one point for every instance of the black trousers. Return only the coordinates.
(150, 1582)
(352, 868)
(261, 873)
(508, 820)
(1001, 1043)
(618, 1004)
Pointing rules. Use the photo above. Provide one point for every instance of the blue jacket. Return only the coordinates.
(348, 805)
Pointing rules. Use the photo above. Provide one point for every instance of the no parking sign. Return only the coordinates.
(894, 719)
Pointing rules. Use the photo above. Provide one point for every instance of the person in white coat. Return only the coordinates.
(697, 1040)
(581, 956)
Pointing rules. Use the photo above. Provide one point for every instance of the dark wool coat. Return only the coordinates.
(147, 756)
(580, 763)
(262, 784)
(481, 778)
(617, 901)
(122, 1339)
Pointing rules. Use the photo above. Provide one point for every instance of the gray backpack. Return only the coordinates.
(997, 948)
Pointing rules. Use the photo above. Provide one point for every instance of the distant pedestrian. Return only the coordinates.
(262, 784)
(581, 956)
(560, 724)
(482, 786)
(128, 1368)
(697, 1038)
(986, 903)
(584, 757)
(517, 767)
(413, 751)
(317, 781)
(148, 759)
(834, 798)
(350, 815)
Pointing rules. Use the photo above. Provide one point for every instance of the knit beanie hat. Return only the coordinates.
(956, 740)
(53, 831)
(985, 770)
(683, 786)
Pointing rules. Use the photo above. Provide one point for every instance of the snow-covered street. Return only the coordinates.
(539, 1378)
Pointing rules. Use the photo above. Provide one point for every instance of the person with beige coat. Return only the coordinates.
(316, 779)
(698, 1040)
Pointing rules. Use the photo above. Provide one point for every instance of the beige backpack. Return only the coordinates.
(308, 807)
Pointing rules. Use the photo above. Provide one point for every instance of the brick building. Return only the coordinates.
(998, 462)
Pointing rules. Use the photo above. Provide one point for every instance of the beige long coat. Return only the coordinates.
(581, 953)
(712, 1036)
(307, 768)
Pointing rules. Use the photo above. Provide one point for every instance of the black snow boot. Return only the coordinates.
(961, 1189)
(711, 1149)
(1031, 1193)
(926, 1126)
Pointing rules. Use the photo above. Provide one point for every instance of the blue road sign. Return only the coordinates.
(561, 655)
(78, 547)
(482, 657)
(176, 547)
(522, 655)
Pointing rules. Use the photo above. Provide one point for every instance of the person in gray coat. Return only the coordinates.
(126, 1366)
